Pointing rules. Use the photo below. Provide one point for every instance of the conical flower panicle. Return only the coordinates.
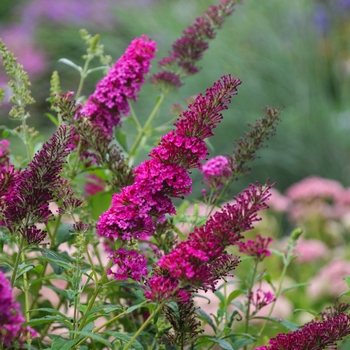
(123, 82)
(136, 210)
(201, 260)
(12, 331)
(25, 200)
(189, 49)
(317, 334)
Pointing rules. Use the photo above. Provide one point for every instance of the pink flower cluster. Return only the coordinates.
(129, 264)
(136, 210)
(260, 299)
(110, 99)
(256, 248)
(201, 260)
(11, 319)
(317, 334)
(216, 171)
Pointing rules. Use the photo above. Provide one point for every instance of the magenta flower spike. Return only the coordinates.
(201, 260)
(122, 83)
(11, 319)
(136, 210)
(315, 335)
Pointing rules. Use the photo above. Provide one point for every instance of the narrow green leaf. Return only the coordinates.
(95, 337)
(293, 286)
(63, 234)
(53, 119)
(71, 64)
(223, 343)
(309, 311)
(289, 325)
(96, 69)
(240, 343)
(63, 344)
(48, 319)
(134, 307)
(233, 295)
(124, 337)
(23, 268)
(205, 317)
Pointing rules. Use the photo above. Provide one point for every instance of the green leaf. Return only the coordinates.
(121, 137)
(309, 311)
(48, 319)
(240, 343)
(63, 344)
(223, 343)
(134, 307)
(51, 311)
(53, 119)
(56, 260)
(71, 64)
(293, 286)
(63, 234)
(233, 295)
(124, 337)
(96, 69)
(289, 325)
(205, 317)
(99, 203)
(23, 268)
(220, 296)
(95, 337)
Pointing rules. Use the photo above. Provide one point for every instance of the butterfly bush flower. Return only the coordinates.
(129, 263)
(11, 319)
(256, 248)
(137, 209)
(260, 299)
(317, 334)
(201, 260)
(122, 83)
(25, 195)
(189, 49)
(216, 171)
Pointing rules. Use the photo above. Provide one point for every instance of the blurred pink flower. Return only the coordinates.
(94, 184)
(278, 202)
(21, 43)
(314, 187)
(312, 197)
(329, 280)
(311, 250)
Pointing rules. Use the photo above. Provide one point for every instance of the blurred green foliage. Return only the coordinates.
(272, 45)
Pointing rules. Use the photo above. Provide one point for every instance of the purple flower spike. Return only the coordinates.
(136, 210)
(11, 329)
(123, 82)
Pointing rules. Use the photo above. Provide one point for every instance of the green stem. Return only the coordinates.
(82, 78)
(26, 299)
(285, 266)
(249, 293)
(18, 259)
(25, 137)
(95, 294)
(287, 259)
(142, 132)
(144, 325)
